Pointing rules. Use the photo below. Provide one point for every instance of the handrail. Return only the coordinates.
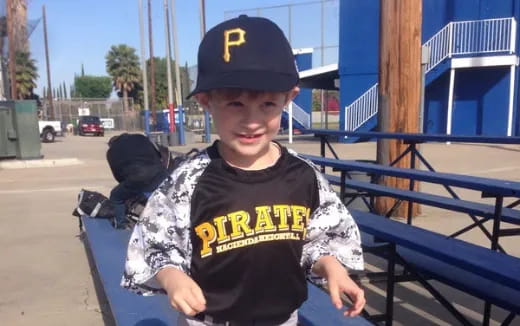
(362, 109)
(300, 115)
(439, 46)
(483, 36)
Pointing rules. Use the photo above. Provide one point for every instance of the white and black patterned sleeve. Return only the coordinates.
(331, 231)
(162, 236)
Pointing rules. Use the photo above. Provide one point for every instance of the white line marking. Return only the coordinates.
(26, 191)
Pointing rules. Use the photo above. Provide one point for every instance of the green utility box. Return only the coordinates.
(19, 134)
(7, 133)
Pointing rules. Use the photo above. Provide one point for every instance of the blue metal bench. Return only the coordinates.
(411, 139)
(489, 275)
(108, 247)
(488, 187)
(509, 215)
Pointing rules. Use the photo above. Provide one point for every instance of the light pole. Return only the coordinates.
(169, 73)
(178, 96)
(143, 67)
(202, 13)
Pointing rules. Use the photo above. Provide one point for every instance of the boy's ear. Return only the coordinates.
(292, 94)
(202, 99)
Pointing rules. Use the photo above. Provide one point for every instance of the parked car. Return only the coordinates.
(90, 124)
(49, 130)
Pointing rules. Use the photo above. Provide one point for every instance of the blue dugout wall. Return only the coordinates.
(481, 95)
(304, 98)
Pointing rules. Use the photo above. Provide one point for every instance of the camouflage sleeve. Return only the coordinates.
(331, 231)
(160, 239)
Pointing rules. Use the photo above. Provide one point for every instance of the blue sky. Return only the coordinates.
(82, 31)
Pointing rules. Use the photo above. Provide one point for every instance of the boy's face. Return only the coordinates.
(246, 123)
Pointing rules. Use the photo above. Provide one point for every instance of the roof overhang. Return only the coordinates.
(324, 77)
(302, 51)
(487, 61)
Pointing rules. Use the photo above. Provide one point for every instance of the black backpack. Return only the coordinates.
(97, 205)
(93, 204)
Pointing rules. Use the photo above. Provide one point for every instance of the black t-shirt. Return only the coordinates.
(248, 238)
(259, 219)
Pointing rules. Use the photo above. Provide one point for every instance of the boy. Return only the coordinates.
(232, 235)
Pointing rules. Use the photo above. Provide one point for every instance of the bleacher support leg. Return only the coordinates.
(390, 285)
(412, 184)
(322, 152)
(342, 189)
(487, 314)
(496, 222)
(436, 294)
(509, 319)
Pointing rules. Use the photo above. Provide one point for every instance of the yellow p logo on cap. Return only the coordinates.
(229, 43)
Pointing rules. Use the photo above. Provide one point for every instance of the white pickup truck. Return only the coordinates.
(49, 130)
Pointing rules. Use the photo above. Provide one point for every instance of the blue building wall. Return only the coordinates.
(435, 106)
(481, 94)
(358, 51)
(481, 103)
(304, 99)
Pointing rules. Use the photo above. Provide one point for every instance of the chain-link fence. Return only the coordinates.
(312, 24)
(110, 111)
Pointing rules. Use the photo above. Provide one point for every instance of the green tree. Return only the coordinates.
(122, 64)
(26, 75)
(137, 93)
(186, 84)
(161, 82)
(65, 90)
(93, 86)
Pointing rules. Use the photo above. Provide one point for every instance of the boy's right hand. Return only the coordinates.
(184, 294)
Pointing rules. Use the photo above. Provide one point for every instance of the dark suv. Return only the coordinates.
(90, 124)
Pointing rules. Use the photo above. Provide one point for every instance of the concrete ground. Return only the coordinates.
(45, 273)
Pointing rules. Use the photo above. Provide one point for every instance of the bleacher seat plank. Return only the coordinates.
(415, 137)
(108, 247)
(478, 271)
(318, 310)
(508, 215)
(486, 185)
(502, 268)
(465, 280)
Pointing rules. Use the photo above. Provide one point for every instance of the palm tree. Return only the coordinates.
(26, 75)
(122, 64)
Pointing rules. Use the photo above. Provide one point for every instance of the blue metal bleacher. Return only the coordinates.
(489, 275)
(108, 247)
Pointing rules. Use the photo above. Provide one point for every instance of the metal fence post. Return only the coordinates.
(182, 138)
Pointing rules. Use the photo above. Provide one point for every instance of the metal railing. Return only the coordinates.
(300, 115)
(439, 47)
(483, 36)
(456, 38)
(364, 108)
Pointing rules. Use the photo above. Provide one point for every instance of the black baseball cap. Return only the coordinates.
(246, 52)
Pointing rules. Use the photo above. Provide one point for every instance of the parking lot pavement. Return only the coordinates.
(45, 272)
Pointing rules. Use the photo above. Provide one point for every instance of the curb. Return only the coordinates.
(24, 164)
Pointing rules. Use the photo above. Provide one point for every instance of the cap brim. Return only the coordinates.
(250, 80)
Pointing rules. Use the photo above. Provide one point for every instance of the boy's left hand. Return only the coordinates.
(339, 282)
